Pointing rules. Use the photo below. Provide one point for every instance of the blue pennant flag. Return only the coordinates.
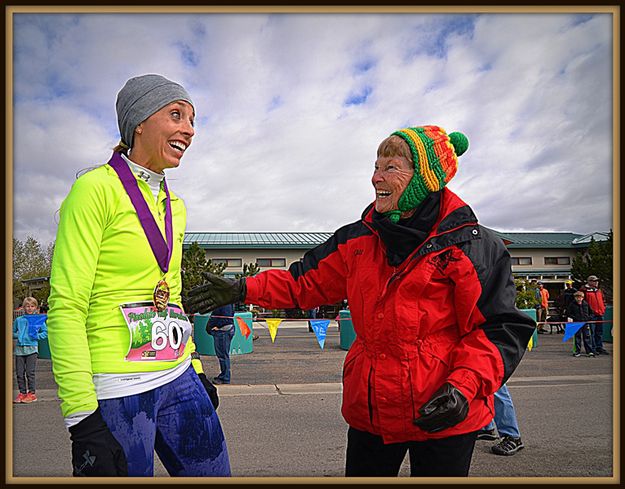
(320, 327)
(34, 323)
(570, 329)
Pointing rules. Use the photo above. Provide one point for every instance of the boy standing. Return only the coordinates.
(28, 330)
(579, 311)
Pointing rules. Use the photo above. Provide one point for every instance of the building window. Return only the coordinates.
(521, 260)
(557, 260)
(229, 262)
(271, 262)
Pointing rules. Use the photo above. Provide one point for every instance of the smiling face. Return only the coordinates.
(393, 172)
(161, 139)
(30, 307)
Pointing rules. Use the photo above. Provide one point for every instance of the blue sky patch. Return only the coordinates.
(189, 56)
(434, 43)
(275, 103)
(358, 98)
(364, 65)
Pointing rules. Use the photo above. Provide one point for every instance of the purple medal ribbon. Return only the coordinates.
(162, 251)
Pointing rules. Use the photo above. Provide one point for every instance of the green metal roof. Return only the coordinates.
(539, 240)
(256, 240)
(307, 240)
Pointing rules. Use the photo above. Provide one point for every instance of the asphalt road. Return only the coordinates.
(281, 416)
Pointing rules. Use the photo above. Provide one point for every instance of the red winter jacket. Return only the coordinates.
(594, 297)
(446, 314)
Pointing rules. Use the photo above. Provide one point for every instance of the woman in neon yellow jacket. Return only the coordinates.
(120, 342)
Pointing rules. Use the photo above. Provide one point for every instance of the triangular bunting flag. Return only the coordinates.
(530, 344)
(570, 329)
(34, 323)
(320, 327)
(245, 329)
(273, 324)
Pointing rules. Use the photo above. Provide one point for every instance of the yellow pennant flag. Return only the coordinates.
(530, 345)
(273, 324)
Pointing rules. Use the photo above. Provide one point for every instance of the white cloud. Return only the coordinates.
(277, 148)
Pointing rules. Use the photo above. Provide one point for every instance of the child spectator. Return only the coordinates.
(27, 330)
(579, 311)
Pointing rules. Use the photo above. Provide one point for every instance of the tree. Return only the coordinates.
(596, 260)
(525, 294)
(194, 266)
(249, 270)
(30, 260)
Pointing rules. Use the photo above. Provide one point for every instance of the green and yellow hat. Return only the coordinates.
(435, 157)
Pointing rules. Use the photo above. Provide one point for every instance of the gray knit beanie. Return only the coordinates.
(141, 97)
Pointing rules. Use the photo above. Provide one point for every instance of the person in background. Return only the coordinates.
(544, 307)
(579, 311)
(504, 425)
(129, 378)
(567, 296)
(312, 315)
(221, 327)
(432, 301)
(27, 330)
(594, 296)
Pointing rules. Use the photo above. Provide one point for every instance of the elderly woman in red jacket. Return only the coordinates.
(433, 306)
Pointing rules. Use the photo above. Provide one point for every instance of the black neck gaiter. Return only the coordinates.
(403, 238)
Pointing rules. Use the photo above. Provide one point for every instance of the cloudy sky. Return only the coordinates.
(291, 108)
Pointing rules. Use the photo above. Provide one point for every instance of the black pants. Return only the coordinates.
(367, 455)
(25, 371)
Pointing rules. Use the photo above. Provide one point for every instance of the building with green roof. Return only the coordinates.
(542, 256)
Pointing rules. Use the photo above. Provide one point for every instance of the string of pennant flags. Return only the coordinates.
(569, 329)
(319, 326)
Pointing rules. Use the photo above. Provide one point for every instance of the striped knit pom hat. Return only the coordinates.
(435, 158)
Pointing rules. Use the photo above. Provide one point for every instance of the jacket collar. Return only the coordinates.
(456, 223)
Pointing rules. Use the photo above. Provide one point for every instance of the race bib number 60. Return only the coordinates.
(155, 335)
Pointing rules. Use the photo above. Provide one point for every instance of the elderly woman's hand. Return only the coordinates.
(446, 408)
(217, 291)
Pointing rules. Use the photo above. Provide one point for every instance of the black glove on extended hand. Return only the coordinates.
(211, 390)
(446, 408)
(95, 451)
(217, 291)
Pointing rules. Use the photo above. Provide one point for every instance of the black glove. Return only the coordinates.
(217, 291)
(446, 408)
(95, 451)
(211, 390)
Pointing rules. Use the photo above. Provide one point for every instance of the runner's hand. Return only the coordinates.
(95, 451)
(217, 291)
(446, 408)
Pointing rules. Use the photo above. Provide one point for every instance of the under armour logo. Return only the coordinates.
(89, 460)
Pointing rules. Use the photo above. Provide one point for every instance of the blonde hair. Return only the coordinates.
(121, 148)
(30, 300)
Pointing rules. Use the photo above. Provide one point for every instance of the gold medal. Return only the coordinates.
(161, 295)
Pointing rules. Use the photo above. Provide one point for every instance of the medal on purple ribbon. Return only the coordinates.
(161, 295)
(162, 249)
